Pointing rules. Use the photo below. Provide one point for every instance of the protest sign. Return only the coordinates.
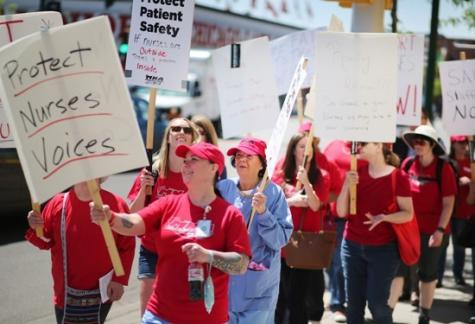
(247, 94)
(70, 107)
(356, 86)
(13, 27)
(286, 53)
(275, 142)
(159, 44)
(411, 65)
(458, 96)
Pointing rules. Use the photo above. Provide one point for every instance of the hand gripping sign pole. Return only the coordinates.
(279, 130)
(106, 230)
(307, 155)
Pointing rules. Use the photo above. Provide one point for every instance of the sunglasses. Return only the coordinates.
(178, 129)
(362, 144)
(419, 141)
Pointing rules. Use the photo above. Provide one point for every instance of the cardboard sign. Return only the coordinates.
(13, 27)
(69, 105)
(247, 94)
(275, 142)
(411, 66)
(458, 96)
(286, 53)
(356, 86)
(159, 44)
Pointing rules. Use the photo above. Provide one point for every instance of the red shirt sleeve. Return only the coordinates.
(403, 186)
(236, 234)
(335, 178)
(134, 191)
(152, 214)
(449, 183)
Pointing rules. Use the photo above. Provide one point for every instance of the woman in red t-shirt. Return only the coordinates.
(167, 168)
(369, 251)
(301, 291)
(200, 238)
(433, 189)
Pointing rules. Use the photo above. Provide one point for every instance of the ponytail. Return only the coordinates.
(390, 157)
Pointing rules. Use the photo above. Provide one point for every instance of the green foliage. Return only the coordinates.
(468, 17)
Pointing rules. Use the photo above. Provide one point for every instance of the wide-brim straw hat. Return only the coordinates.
(428, 132)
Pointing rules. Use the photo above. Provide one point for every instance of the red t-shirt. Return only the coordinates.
(172, 220)
(426, 195)
(88, 259)
(462, 209)
(375, 196)
(171, 185)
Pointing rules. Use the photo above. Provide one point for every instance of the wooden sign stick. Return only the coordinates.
(353, 164)
(37, 208)
(150, 132)
(106, 230)
(300, 107)
(264, 182)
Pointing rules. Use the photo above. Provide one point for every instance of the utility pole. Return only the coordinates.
(430, 73)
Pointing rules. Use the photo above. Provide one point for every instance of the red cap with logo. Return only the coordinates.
(251, 146)
(458, 138)
(305, 127)
(204, 151)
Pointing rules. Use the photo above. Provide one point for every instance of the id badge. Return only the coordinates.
(203, 228)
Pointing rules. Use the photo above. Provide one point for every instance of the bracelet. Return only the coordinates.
(441, 229)
(211, 258)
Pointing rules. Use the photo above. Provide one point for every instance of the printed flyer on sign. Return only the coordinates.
(159, 44)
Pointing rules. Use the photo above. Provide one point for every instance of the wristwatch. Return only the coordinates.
(441, 229)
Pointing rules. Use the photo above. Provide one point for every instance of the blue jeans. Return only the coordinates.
(252, 317)
(369, 271)
(335, 272)
(147, 263)
(150, 318)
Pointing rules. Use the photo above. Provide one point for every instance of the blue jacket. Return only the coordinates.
(269, 232)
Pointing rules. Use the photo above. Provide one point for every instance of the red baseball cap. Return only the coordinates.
(204, 151)
(251, 146)
(305, 127)
(458, 138)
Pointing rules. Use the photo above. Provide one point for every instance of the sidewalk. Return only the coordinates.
(450, 304)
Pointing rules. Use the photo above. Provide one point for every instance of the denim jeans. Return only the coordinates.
(335, 272)
(252, 317)
(369, 271)
(150, 318)
(147, 263)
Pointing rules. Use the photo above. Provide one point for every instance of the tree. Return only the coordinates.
(468, 17)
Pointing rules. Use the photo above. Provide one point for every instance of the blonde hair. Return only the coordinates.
(160, 159)
(390, 157)
(210, 132)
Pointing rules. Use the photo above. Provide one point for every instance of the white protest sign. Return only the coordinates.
(275, 142)
(13, 27)
(356, 86)
(70, 107)
(458, 96)
(159, 43)
(286, 52)
(247, 94)
(411, 66)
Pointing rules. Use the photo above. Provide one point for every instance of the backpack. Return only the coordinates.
(441, 160)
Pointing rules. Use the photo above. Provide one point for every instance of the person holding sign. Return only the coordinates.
(169, 181)
(79, 254)
(369, 250)
(433, 189)
(253, 297)
(301, 290)
(201, 239)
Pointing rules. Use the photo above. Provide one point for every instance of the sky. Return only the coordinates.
(414, 16)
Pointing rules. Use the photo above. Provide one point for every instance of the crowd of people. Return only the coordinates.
(213, 249)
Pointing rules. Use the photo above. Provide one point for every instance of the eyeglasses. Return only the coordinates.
(178, 129)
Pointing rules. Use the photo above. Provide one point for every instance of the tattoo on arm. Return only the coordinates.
(232, 264)
(126, 223)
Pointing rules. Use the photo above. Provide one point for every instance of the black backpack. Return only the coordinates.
(441, 160)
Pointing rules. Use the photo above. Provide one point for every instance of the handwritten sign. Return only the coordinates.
(69, 105)
(286, 53)
(247, 95)
(356, 86)
(411, 65)
(280, 128)
(159, 43)
(13, 27)
(458, 96)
